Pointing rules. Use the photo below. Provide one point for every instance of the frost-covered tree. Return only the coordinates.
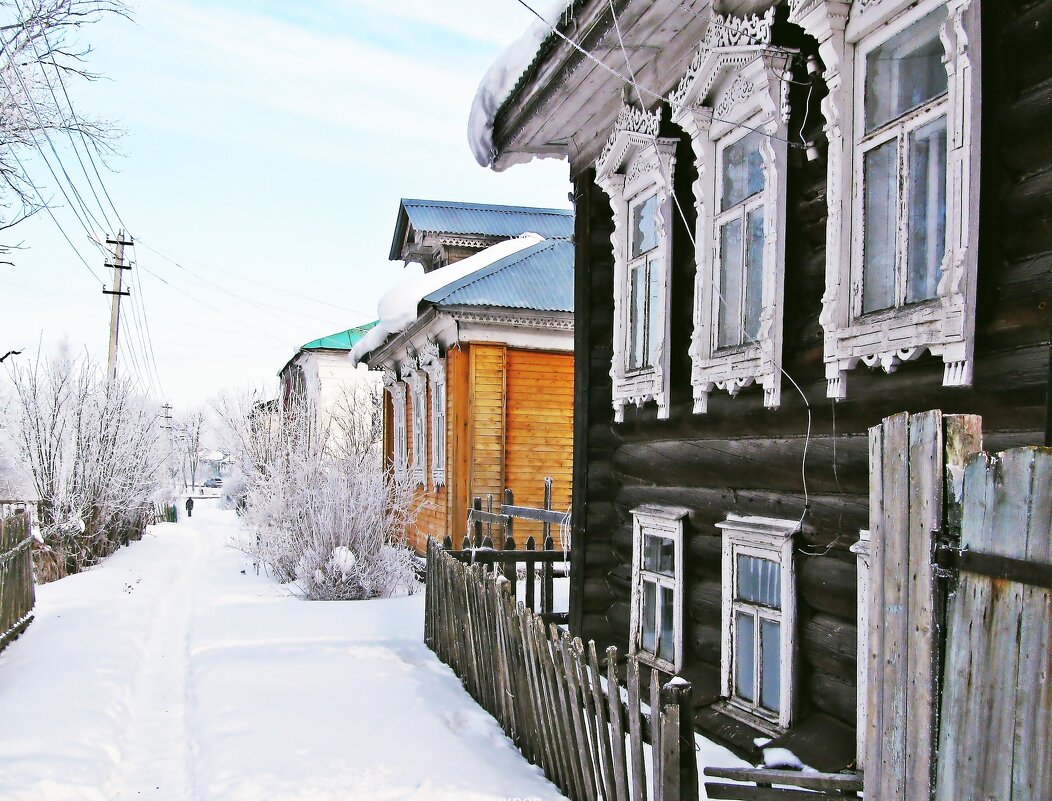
(91, 448)
(190, 430)
(324, 513)
(40, 53)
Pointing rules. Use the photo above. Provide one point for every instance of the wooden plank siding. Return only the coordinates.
(509, 424)
(745, 459)
(539, 440)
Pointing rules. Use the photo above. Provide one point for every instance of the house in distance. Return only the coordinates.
(477, 361)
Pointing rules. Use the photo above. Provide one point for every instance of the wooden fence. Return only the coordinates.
(547, 691)
(16, 577)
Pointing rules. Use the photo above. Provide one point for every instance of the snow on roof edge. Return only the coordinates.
(503, 77)
(398, 308)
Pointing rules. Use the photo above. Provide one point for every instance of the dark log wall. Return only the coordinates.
(742, 458)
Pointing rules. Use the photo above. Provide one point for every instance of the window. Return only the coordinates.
(416, 379)
(399, 441)
(903, 120)
(734, 106)
(432, 363)
(644, 271)
(656, 634)
(759, 616)
(901, 155)
(635, 170)
(739, 241)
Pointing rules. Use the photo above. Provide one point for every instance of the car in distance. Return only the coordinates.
(214, 483)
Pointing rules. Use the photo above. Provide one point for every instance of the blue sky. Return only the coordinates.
(266, 146)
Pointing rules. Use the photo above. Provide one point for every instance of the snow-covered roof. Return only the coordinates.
(503, 76)
(398, 309)
(539, 278)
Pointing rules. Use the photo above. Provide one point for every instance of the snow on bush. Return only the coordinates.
(91, 448)
(326, 517)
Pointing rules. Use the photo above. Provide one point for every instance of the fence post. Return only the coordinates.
(476, 540)
(679, 760)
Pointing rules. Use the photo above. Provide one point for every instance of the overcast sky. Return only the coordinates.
(267, 145)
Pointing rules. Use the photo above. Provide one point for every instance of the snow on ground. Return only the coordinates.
(173, 672)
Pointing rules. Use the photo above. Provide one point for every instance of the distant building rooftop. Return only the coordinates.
(342, 340)
(476, 220)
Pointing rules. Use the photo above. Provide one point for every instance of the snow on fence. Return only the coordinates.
(548, 692)
(16, 576)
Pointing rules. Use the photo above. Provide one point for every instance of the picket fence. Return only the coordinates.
(547, 691)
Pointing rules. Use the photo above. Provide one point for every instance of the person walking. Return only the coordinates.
(189, 507)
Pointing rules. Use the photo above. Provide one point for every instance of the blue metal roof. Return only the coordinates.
(452, 217)
(539, 277)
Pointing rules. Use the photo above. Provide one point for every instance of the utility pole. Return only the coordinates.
(117, 292)
(167, 416)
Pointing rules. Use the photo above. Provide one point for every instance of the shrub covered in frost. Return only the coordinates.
(326, 516)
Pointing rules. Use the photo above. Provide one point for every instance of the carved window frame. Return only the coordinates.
(432, 363)
(735, 86)
(944, 326)
(416, 380)
(399, 440)
(634, 165)
(770, 539)
(665, 522)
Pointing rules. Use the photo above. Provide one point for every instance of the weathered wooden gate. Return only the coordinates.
(995, 737)
(957, 697)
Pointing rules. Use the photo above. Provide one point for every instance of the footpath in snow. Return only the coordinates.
(172, 671)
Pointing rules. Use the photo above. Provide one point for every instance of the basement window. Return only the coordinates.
(656, 628)
(759, 618)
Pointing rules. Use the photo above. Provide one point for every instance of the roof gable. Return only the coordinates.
(476, 219)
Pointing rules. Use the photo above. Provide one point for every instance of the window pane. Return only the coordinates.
(744, 656)
(667, 645)
(649, 622)
(730, 299)
(905, 72)
(644, 226)
(654, 337)
(742, 170)
(879, 217)
(770, 665)
(759, 581)
(754, 275)
(637, 356)
(927, 204)
(659, 554)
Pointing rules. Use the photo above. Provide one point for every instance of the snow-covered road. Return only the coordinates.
(172, 671)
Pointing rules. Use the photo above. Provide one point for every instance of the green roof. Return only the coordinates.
(342, 340)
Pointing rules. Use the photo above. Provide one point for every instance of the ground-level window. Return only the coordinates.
(656, 635)
(759, 617)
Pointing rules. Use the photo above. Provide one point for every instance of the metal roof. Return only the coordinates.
(539, 277)
(342, 340)
(481, 219)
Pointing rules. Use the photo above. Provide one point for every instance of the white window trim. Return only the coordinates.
(635, 163)
(416, 379)
(768, 538)
(946, 326)
(665, 521)
(734, 82)
(399, 441)
(432, 363)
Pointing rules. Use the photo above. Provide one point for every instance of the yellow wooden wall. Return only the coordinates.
(539, 429)
(509, 424)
